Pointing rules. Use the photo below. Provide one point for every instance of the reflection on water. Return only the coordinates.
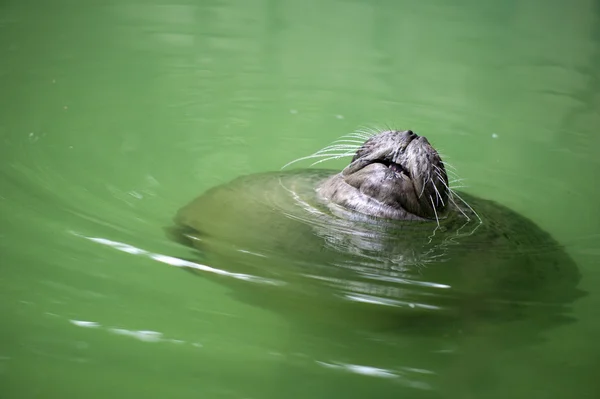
(172, 261)
(405, 374)
(142, 335)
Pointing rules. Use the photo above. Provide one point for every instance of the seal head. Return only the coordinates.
(394, 174)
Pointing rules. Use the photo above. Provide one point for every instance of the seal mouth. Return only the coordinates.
(392, 153)
(396, 168)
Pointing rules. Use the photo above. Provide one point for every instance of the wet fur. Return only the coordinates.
(393, 175)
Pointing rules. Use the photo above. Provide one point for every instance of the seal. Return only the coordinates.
(387, 231)
(395, 175)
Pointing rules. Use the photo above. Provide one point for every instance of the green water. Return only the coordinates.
(114, 114)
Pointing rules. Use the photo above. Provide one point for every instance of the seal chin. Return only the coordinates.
(394, 174)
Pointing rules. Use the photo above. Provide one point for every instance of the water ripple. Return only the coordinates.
(177, 262)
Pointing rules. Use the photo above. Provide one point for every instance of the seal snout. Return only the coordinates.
(406, 136)
(396, 174)
(410, 134)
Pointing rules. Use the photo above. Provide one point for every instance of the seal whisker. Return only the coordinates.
(370, 131)
(437, 192)
(347, 145)
(457, 184)
(356, 134)
(331, 156)
(441, 176)
(449, 171)
(467, 205)
(451, 197)
(435, 213)
(454, 178)
(458, 207)
(446, 158)
(449, 165)
(361, 138)
(336, 147)
(359, 135)
(450, 189)
(385, 127)
(364, 129)
(423, 188)
(358, 142)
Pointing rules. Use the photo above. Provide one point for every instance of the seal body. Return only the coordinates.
(387, 232)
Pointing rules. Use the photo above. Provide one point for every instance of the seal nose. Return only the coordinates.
(409, 134)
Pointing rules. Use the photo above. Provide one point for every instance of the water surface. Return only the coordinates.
(114, 115)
